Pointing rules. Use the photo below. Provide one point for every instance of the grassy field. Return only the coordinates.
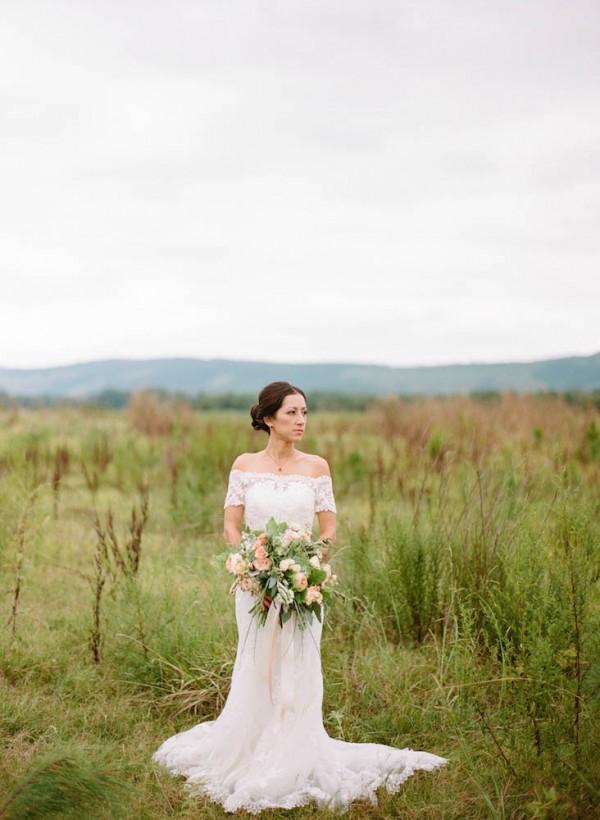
(469, 553)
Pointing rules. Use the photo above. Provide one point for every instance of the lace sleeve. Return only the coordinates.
(235, 490)
(324, 497)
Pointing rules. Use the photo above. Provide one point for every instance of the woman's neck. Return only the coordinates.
(281, 452)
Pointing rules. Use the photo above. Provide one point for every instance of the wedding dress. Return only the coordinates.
(268, 748)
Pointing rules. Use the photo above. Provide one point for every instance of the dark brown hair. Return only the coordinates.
(270, 400)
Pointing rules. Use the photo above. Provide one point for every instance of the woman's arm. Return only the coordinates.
(325, 517)
(326, 520)
(232, 529)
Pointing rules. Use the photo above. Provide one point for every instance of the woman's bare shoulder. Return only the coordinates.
(317, 465)
(245, 461)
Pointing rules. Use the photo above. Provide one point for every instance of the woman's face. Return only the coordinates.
(289, 421)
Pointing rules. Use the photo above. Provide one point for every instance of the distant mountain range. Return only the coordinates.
(219, 376)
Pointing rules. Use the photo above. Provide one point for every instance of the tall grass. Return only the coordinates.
(63, 786)
(469, 548)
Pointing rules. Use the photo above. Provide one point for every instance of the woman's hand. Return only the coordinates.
(266, 601)
(326, 548)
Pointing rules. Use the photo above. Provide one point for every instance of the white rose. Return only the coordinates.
(294, 533)
(287, 537)
(236, 564)
(286, 564)
(314, 562)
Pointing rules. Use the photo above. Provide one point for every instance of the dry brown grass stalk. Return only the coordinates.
(101, 458)
(61, 466)
(19, 560)
(113, 558)
(173, 458)
(125, 555)
(98, 583)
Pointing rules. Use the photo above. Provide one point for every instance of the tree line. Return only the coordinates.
(319, 399)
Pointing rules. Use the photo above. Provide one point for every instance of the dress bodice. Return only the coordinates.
(293, 499)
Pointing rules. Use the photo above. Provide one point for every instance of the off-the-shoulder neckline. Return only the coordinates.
(281, 475)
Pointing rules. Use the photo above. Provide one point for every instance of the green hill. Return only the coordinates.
(218, 376)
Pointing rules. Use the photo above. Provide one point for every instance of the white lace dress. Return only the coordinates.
(268, 747)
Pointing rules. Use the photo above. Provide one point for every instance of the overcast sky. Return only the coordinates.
(389, 181)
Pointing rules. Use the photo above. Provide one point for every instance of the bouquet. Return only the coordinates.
(284, 562)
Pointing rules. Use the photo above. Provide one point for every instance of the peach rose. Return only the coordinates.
(299, 581)
(259, 551)
(262, 563)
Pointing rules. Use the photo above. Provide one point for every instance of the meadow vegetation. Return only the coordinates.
(469, 554)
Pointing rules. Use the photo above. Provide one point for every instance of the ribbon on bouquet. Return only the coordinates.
(286, 657)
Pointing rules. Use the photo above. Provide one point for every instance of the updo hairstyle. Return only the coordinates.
(270, 400)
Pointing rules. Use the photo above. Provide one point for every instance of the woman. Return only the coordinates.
(268, 747)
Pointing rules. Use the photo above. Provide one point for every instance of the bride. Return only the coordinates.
(268, 747)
